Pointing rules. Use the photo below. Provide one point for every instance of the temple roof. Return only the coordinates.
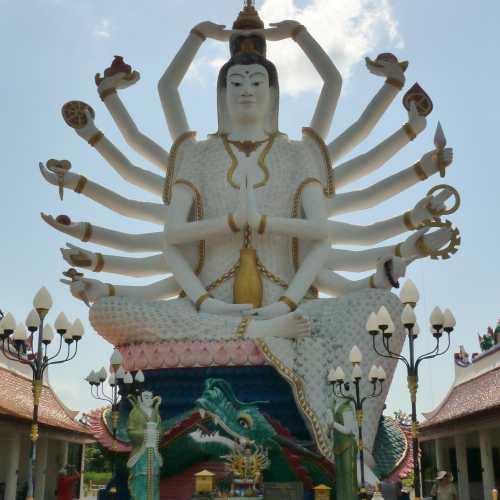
(471, 397)
(16, 400)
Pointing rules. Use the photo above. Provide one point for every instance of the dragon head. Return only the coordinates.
(232, 419)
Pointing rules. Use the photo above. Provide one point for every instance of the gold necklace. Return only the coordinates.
(261, 161)
(248, 147)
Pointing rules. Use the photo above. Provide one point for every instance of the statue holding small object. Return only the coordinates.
(246, 238)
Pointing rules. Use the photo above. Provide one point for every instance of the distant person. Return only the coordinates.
(444, 489)
(389, 489)
(66, 481)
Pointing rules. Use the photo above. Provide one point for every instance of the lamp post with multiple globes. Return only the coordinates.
(121, 383)
(380, 324)
(27, 344)
(340, 386)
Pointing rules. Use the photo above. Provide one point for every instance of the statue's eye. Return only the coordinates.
(236, 84)
(256, 84)
(245, 421)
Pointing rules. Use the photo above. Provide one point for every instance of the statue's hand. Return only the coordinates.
(75, 229)
(387, 68)
(88, 290)
(241, 214)
(119, 81)
(430, 207)
(215, 306)
(214, 31)
(70, 179)
(434, 241)
(397, 270)
(253, 213)
(430, 160)
(271, 311)
(88, 130)
(78, 257)
(416, 121)
(281, 30)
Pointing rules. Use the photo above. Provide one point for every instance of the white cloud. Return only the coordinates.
(347, 29)
(103, 29)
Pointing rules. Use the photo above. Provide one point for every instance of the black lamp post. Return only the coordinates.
(380, 325)
(121, 384)
(340, 387)
(28, 345)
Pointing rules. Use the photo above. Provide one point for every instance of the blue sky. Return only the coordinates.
(53, 48)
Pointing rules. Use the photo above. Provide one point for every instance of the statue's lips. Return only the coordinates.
(247, 102)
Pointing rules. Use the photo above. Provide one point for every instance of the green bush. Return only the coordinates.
(96, 478)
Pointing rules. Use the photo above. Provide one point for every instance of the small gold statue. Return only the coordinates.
(246, 467)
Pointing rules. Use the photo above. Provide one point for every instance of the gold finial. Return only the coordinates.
(248, 18)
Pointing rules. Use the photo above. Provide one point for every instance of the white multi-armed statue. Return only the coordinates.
(247, 233)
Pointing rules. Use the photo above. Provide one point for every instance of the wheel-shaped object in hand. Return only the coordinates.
(454, 243)
(455, 193)
(74, 113)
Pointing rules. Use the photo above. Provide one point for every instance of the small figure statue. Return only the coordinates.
(145, 460)
(345, 450)
(246, 467)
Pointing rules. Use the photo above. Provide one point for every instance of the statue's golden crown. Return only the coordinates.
(248, 20)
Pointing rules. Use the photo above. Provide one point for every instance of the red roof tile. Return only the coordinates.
(16, 399)
(477, 395)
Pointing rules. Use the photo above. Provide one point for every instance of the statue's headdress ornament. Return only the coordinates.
(248, 20)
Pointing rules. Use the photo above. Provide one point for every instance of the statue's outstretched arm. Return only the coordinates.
(336, 285)
(168, 86)
(137, 267)
(91, 290)
(350, 234)
(126, 242)
(118, 161)
(142, 144)
(367, 163)
(359, 130)
(150, 212)
(366, 260)
(391, 186)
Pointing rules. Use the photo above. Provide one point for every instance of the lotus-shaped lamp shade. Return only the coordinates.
(120, 373)
(42, 300)
(449, 320)
(102, 374)
(408, 317)
(33, 320)
(8, 323)
(409, 293)
(437, 318)
(139, 377)
(77, 329)
(116, 359)
(48, 334)
(128, 379)
(62, 323)
(383, 318)
(355, 356)
(372, 323)
(20, 333)
(356, 372)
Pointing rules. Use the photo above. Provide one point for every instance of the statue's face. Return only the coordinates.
(147, 399)
(248, 93)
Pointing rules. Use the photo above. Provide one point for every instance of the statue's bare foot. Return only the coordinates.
(290, 326)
